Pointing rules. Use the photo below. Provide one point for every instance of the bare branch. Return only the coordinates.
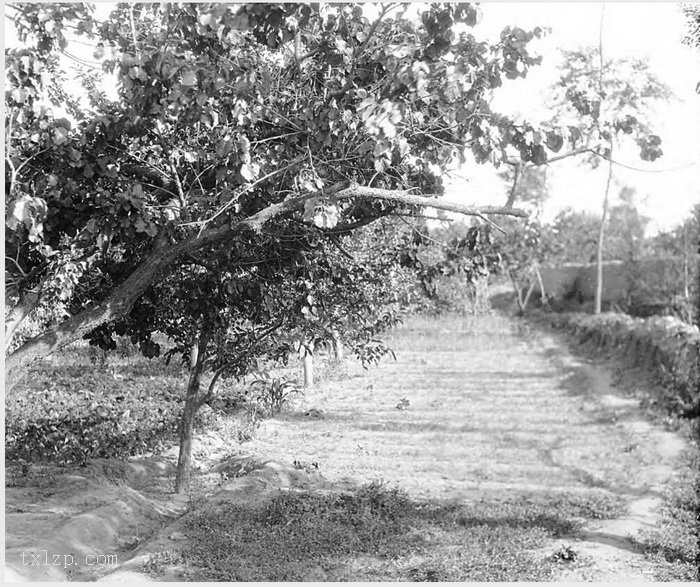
(164, 254)
(632, 168)
(373, 28)
(232, 201)
(574, 152)
(178, 183)
(30, 158)
(600, 50)
(402, 197)
(578, 151)
(492, 224)
(24, 274)
(133, 28)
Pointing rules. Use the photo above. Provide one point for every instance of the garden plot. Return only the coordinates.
(484, 452)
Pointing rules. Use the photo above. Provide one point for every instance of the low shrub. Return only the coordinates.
(70, 427)
(71, 412)
(270, 393)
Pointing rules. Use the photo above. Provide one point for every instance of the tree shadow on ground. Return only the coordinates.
(377, 533)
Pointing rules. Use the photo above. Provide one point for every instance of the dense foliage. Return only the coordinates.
(78, 411)
(230, 117)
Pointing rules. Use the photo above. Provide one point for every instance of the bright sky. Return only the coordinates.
(650, 30)
(641, 30)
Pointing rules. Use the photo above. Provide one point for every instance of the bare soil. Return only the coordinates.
(473, 409)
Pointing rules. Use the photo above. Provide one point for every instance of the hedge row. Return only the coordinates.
(666, 346)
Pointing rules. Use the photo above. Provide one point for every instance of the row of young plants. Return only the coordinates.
(666, 346)
(72, 413)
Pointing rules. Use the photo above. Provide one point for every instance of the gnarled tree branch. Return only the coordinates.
(163, 255)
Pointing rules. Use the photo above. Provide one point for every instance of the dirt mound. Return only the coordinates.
(255, 482)
(73, 525)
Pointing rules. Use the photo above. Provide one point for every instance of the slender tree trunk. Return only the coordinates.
(184, 460)
(686, 272)
(308, 362)
(518, 292)
(527, 296)
(543, 294)
(601, 236)
(338, 350)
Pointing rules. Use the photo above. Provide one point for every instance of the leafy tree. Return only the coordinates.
(575, 231)
(225, 317)
(452, 262)
(524, 247)
(611, 100)
(570, 238)
(684, 241)
(230, 121)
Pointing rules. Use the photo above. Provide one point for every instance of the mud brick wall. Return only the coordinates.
(652, 279)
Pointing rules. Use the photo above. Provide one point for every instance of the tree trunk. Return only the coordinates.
(117, 304)
(527, 297)
(686, 272)
(543, 294)
(123, 297)
(27, 302)
(601, 236)
(338, 351)
(518, 292)
(308, 362)
(184, 459)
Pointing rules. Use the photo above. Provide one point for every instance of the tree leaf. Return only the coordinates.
(189, 78)
(60, 135)
(249, 171)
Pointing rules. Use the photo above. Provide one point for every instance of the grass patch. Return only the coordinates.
(376, 534)
(674, 545)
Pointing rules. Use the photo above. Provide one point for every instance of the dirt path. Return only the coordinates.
(487, 409)
(473, 409)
